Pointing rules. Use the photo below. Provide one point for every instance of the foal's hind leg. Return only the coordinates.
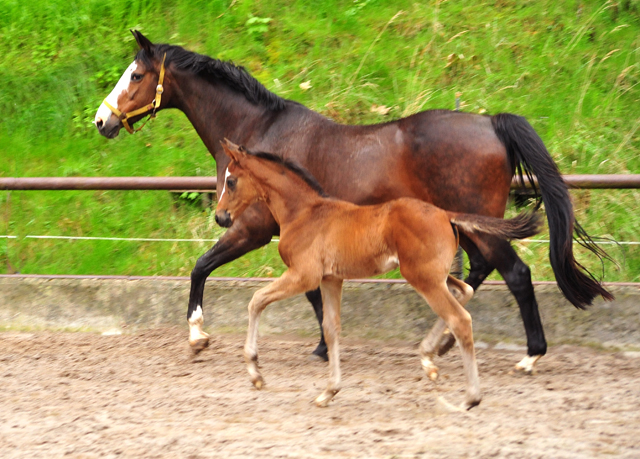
(432, 344)
(456, 318)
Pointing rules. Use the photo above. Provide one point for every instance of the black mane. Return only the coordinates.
(231, 75)
(293, 167)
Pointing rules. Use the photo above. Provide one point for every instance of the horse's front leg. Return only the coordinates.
(288, 285)
(249, 232)
(331, 299)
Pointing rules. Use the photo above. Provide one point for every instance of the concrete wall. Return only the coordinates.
(381, 311)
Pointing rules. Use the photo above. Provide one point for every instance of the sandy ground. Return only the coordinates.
(144, 395)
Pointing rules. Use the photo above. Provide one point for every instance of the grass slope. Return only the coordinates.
(572, 68)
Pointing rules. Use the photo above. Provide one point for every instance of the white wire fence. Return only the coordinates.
(151, 239)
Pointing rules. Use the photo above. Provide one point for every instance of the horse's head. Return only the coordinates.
(140, 91)
(240, 188)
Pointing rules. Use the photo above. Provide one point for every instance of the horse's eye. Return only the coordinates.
(231, 183)
(136, 77)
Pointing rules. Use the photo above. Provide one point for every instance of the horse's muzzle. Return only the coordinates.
(110, 128)
(223, 219)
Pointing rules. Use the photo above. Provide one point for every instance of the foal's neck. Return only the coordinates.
(287, 195)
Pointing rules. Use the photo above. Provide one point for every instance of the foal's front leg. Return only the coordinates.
(331, 298)
(288, 285)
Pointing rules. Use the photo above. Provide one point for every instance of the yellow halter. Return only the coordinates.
(152, 107)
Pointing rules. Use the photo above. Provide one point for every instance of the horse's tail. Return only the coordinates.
(529, 157)
(525, 224)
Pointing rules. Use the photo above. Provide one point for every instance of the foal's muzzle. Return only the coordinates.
(223, 219)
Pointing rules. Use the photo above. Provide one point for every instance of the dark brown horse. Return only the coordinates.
(458, 161)
(324, 240)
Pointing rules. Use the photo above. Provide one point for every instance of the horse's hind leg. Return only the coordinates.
(499, 253)
(331, 299)
(433, 342)
(287, 285)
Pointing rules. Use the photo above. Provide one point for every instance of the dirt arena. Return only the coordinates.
(84, 395)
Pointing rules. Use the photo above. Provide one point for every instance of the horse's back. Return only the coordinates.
(456, 161)
(452, 159)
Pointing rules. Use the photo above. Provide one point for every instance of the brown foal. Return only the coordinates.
(324, 241)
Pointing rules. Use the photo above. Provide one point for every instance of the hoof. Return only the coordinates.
(258, 382)
(322, 401)
(321, 353)
(430, 369)
(443, 406)
(446, 343)
(471, 403)
(527, 365)
(316, 358)
(199, 345)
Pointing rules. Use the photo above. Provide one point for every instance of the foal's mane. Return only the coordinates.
(293, 167)
(228, 73)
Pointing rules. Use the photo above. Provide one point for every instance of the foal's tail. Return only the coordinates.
(525, 224)
(529, 157)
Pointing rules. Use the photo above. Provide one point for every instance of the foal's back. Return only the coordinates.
(351, 241)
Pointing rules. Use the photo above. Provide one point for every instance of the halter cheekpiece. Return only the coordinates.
(152, 107)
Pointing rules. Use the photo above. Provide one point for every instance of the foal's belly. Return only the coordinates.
(358, 269)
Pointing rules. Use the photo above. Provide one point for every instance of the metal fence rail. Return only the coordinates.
(608, 181)
(109, 183)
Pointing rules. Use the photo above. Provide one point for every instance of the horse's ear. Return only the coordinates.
(143, 42)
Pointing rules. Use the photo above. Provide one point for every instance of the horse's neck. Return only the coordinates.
(218, 112)
(286, 196)
(215, 111)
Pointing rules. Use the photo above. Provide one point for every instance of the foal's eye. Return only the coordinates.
(231, 183)
(136, 77)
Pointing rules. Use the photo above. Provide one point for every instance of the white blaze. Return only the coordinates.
(224, 184)
(104, 112)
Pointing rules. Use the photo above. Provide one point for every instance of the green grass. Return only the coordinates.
(572, 68)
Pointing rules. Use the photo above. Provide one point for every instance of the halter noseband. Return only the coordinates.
(152, 107)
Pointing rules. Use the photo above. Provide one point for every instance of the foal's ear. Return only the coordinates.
(231, 149)
(143, 42)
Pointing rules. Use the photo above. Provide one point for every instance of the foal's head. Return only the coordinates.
(141, 91)
(239, 190)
